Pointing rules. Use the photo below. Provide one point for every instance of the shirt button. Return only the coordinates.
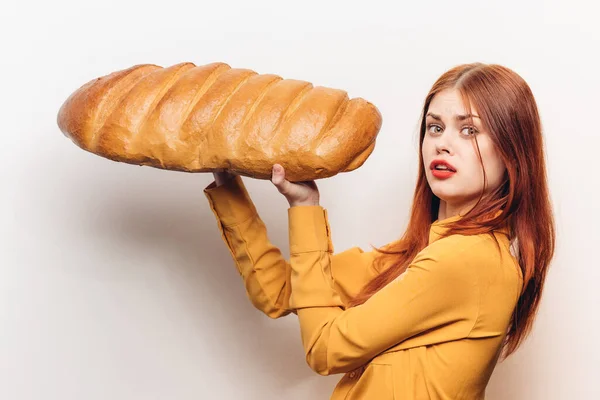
(352, 374)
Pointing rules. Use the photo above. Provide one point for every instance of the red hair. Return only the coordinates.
(509, 114)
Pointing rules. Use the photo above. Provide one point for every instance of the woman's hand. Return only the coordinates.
(303, 193)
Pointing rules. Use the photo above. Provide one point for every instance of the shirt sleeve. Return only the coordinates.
(264, 270)
(259, 262)
(436, 290)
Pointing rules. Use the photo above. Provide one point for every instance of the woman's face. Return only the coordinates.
(449, 137)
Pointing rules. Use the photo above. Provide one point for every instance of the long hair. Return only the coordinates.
(509, 113)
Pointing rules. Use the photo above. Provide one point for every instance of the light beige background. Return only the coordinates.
(114, 281)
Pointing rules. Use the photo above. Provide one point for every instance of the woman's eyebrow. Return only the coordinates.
(468, 116)
(434, 116)
(457, 117)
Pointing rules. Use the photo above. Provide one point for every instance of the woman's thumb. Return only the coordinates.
(278, 178)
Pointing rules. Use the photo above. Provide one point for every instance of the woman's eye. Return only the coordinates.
(435, 128)
(469, 131)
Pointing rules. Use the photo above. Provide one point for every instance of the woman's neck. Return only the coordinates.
(447, 210)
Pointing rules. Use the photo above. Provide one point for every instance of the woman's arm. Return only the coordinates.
(260, 263)
(437, 290)
(266, 273)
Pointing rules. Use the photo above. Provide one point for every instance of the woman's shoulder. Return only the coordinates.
(481, 253)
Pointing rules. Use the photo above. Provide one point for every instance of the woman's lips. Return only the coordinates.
(442, 174)
(439, 161)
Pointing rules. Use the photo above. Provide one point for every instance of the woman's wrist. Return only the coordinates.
(221, 181)
(304, 203)
(222, 178)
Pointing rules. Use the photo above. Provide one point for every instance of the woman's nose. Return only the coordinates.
(443, 143)
(441, 147)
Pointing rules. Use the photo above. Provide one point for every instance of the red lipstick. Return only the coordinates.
(444, 173)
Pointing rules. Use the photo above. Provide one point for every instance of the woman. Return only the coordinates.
(429, 315)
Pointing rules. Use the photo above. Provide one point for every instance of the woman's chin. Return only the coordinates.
(445, 191)
(450, 195)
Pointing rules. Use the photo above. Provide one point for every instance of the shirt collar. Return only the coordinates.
(439, 227)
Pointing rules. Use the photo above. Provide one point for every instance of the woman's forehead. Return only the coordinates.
(449, 104)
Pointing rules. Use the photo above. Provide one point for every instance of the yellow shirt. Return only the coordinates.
(433, 333)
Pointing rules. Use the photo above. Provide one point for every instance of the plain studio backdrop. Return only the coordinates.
(114, 280)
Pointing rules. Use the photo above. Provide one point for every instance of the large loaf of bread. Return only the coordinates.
(214, 117)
